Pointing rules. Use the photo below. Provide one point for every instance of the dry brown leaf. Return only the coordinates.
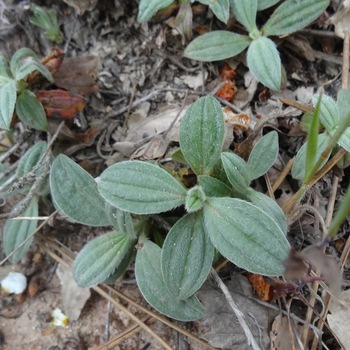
(339, 321)
(78, 74)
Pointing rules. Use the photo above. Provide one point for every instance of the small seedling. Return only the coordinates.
(262, 56)
(223, 213)
(14, 94)
(16, 81)
(47, 20)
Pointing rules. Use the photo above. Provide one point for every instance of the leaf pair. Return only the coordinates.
(13, 92)
(262, 56)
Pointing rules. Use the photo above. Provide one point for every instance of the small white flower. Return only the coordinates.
(14, 283)
(59, 318)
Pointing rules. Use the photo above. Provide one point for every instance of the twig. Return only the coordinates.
(236, 310)
(11, 150)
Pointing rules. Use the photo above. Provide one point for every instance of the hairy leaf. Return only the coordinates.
(213, 187)
(140, 188)
(269, 206)
(264, 4)
(101, 257)
(264, 62)
(329, 113)
(263, 155)
(151, 284)
(293, 15)
(148, 8)
(237, 171)
(217, 45)
(30, 111)
(202, 135)
(246, 235)
(17, 231)
(220, 8)
(24, 62)
(74, 192)
(187, 256)
(7, 102)
(245, 13)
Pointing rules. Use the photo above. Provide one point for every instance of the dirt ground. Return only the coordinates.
(135, 81)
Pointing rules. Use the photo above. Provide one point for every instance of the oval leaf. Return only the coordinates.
(140, 188)
(213, 187)
(264, 62)
(246, 235)
(7, 102)
(4, 67)
(101, 257)
(75, 193)
(16, 231)
(220, 8)
(148, 8)
(264, 4)
(187, 256)
(24, 62)
(217, 45)
(202, 135)
(293, 15)
(263, 155)
(298, 169)
(245, 12)
(237, 171)
(30, 159)
(151, 284)
(269, 206)
(30, 111)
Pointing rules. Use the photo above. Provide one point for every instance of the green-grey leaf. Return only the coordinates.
(121, 220)
(7, 103)
(263, 155)
(298, 169)
(329, 113)
(269, 206)
(151, 284)
(30, 111)
(202, 135)
(220, 8)
(101, 257)
(148, 8)
(4, 67)
(264, 62)
(140, 188)
(30, 159)
(216, 46)
(293, 15)
(343, 98)
(237, 171)
(24, 62)
(74, 192)
(344, 140)
(264, 4)
(187, 256)
(245, 13)
(213, 187)
(47, 20)
(246, 235)
(16, 231)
